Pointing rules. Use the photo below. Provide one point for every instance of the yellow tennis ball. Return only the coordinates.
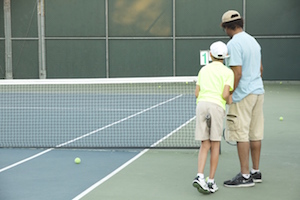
(206, 179)
(77, 160)
(280, 118)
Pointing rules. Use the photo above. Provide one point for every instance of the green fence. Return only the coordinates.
(137, 38)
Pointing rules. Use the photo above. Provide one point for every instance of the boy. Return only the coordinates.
(215, 81)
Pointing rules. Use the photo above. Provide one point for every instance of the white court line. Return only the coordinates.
(88, 134)
(25, 160)
(129, 162)
(117, 122)
(65, 108)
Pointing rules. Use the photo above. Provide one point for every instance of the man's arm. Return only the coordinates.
(261, 69)
(237, 71)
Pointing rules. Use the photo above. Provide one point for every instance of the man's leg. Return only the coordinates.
(243, 112)
(243, 152)
(255, 153)
(240, 180)
(256, 136)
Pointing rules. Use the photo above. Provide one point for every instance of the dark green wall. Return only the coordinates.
(2, 43)
(70, 18)
(75, 58)
(273, 17)
(25, 50)
(25, 59)
(279, 19)
(202, 17)
(140, 36)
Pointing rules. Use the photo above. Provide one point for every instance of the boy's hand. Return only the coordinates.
(229, 99)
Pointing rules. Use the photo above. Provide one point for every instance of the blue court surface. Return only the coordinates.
(54, 175)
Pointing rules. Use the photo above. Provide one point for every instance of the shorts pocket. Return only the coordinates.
(232, 122)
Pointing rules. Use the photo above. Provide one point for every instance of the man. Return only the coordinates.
(246, 112)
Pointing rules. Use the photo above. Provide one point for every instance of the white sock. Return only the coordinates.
(254, 170)
(200, 175)
(246, 176)
(210, 180)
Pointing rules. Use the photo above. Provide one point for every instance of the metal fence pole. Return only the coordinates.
(41, 32)
(8, 43)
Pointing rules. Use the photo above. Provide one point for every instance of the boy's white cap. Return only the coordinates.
(219, 50)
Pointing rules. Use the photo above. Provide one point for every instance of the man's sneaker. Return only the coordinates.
(239, 181)
(201, 185)
(256, 177)
(212, 187)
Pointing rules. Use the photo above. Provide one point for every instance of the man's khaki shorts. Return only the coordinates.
(245, 119)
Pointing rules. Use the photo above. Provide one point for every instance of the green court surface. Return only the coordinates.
(168, 174)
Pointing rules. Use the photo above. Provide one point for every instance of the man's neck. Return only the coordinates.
(236, 31)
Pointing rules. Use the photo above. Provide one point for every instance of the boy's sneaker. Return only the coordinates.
(212, 187)
(201, 185)
(256, 177)
(239, 181)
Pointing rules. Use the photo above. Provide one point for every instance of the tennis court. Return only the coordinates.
(73, 85)
(29, 171)
(45, 125)
(167, 174)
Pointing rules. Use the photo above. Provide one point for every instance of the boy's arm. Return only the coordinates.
(197, 90)
(226, 94)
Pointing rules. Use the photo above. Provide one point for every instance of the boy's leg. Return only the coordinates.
(199, 181)
(202, 156)
(214, 158)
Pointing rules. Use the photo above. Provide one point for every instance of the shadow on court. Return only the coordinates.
(168, 174)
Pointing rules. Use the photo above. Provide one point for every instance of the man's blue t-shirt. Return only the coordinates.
(245, 51)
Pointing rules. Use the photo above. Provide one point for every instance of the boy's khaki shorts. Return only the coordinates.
(245, 119)
(217, 114)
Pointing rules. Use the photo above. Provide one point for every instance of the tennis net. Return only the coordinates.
(98, 113)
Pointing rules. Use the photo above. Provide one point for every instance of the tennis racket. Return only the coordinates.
(226, 138)
(225, 130)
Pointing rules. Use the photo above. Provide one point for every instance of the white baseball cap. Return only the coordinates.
(219, 50)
